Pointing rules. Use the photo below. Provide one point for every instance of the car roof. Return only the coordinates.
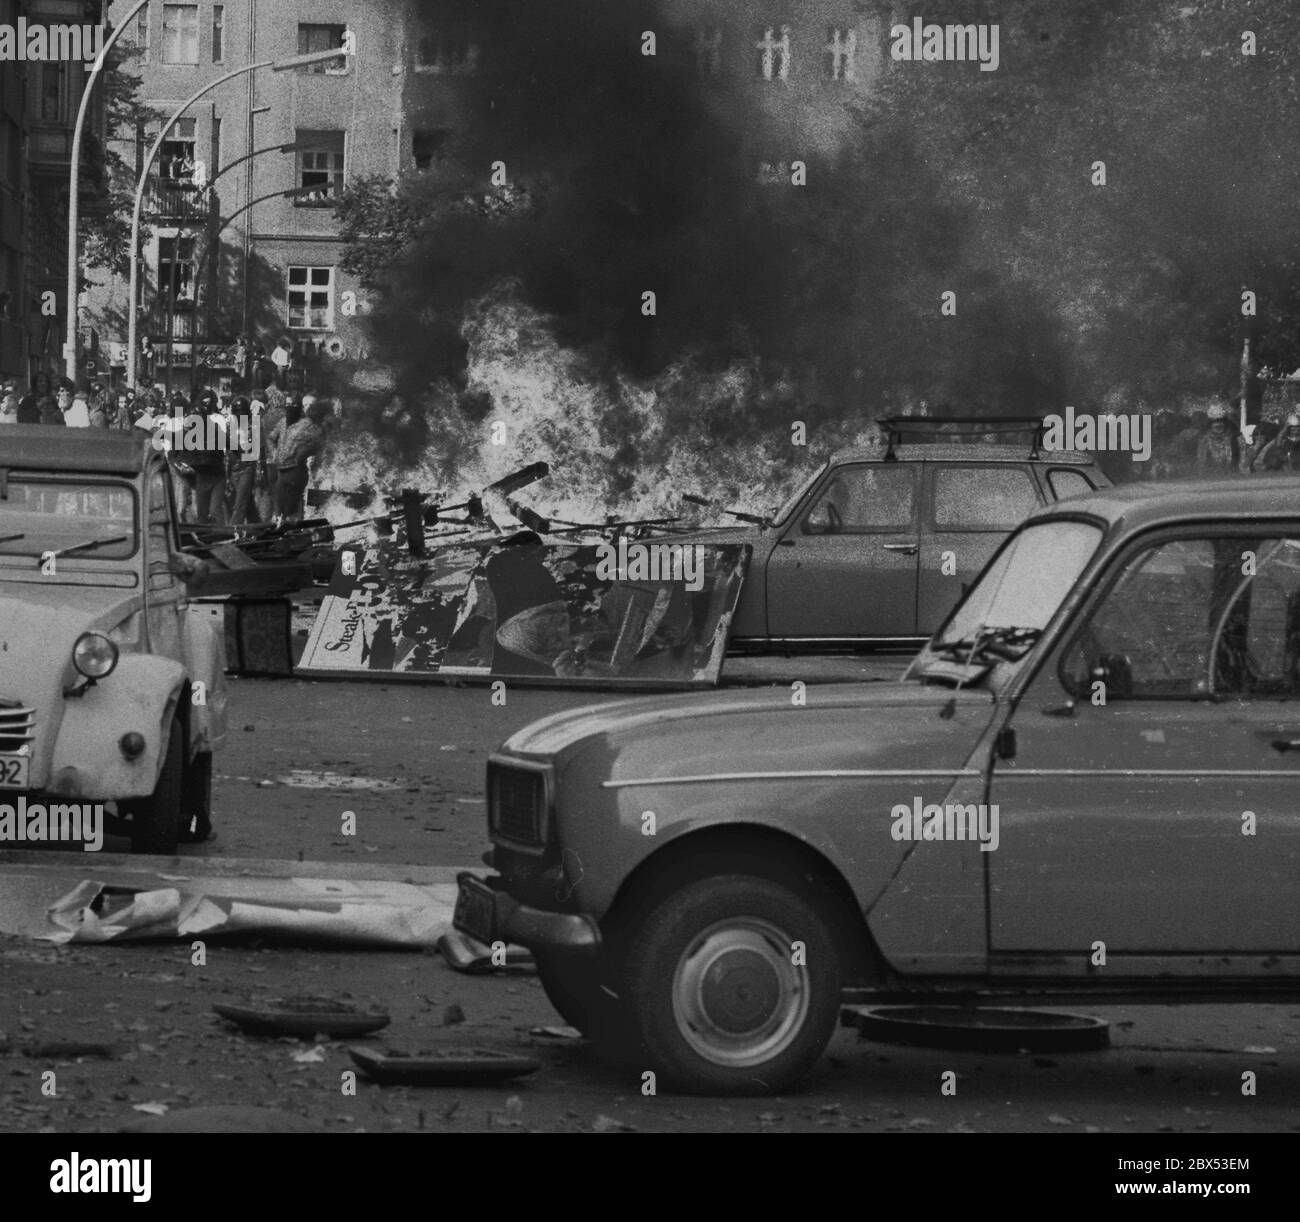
(44, 447)
(976, 451)
(1151, 503)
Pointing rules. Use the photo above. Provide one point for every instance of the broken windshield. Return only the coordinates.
(1003, 616)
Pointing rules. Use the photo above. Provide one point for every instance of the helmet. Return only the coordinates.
(1293, 421)
(1218, 412)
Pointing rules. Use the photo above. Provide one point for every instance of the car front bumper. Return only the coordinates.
(485, 911)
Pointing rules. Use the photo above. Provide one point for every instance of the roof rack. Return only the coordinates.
(895, 426)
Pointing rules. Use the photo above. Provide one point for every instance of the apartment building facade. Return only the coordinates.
(241, 275)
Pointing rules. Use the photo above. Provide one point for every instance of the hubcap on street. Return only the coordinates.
(737, 999)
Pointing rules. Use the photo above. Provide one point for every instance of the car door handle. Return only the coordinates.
(1286, 744)
(908, 549)
(785, 543)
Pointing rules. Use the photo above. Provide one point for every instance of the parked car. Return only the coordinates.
(876, 546)
(1111, 721)
(109, 690)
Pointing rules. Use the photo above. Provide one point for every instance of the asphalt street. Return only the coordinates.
(407, 760)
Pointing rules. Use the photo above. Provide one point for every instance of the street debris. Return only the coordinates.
(446, 1067)
(466, 954)
(556, 1033)
(306, 1017)
(339, 911)
(314, 778)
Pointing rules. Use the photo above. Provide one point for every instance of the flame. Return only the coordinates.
(615, 445)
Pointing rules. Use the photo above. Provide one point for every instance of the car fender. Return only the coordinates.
(205, 653)
(141, 694)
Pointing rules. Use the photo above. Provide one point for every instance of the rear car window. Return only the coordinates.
(1068, 483)
(982, 498)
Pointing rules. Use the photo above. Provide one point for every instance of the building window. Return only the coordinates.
(320, 167)
(176, 269)
(446, 53)
(322, 38)
(218, 33)
(142, 32)
(311, 298)
(52, 92)
(176, 157)
(840, 52)
(774, 53)
(708, 52)
(426, 147)
(216, 146)
(180, 42)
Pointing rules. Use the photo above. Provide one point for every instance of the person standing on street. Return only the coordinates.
(170, 427)
(55, 411)
(302, 442)
(1218, 453)
(208, 460)
(1283, 452)
(244, 459)
(30, 410)
(122, 411)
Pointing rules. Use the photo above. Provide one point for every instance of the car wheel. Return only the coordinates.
(196, 799)
(572, 986)
(156, 820)
(719, 992)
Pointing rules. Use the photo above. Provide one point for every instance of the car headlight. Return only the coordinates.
(94, 655)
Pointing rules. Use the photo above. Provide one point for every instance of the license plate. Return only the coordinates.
(475, 909)
(13, 771)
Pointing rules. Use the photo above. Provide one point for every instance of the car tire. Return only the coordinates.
(572, 985)
(717, 995)
(156, 820)
(196, 799)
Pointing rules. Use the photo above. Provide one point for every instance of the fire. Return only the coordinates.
(615, 445)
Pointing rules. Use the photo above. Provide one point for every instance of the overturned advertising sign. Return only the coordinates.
(635, 614)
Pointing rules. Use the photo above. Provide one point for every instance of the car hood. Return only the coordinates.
(39, 626)
(858, 727)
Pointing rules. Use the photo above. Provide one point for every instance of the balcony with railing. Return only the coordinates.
(176, 201)
(179, 317)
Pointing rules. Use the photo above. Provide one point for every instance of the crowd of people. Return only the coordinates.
(1213, 447)
(235, 459)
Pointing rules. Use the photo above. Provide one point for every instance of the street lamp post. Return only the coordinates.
(74, 173)
(278, 65)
